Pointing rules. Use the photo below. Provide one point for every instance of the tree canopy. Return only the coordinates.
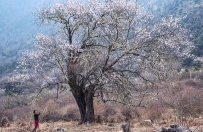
(110, 49)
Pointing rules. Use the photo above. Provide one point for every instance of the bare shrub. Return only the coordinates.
(200, 76)
(117, 113)
(130, 113)
(21, 100)
(72, 114)
(155, 112)
(196, 75)
(8, 113)
(17, 113)
(21, 124)
(120, 118)
(109, 112)
(192, 75)
(190, 82)
(194, 122)
(184, 99)
(50, 110)
(127, 113)
(5, 122)
(111, 119)
(193, 83)
(185, 75)
(189, 102)
(65, 100)
(137, 114)
(21, 113)
(98, 119)
(99, 110)
(51, 106)
(1, 114)
(52, 116)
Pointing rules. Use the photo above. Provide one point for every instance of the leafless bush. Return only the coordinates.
(190, 74)
(50, 111)
(65, 100)
(21, 100)
(4, 122)
(194, 122)
(189, 102)
(71, 116)
(71, 113)
(190, 83)
(194, 83)
(22, 113)
(8, 113)
(120, 118)
(98, 119)
(184, 99)
(200, 76)
(12, 101)
(130, 113)
(22, 123)
(99, 108)
(1, 114)
(127, 113)
(155, 112)
(116, 113)
(52, 116)
(111, 119)
(196, 75)
(109, 112)
(185, 75)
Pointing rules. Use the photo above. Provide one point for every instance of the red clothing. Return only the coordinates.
(36, 124)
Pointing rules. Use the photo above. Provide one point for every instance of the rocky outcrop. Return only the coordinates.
(61, 130)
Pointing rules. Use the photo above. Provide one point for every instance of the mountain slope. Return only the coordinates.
(192, 10)
(17, 30)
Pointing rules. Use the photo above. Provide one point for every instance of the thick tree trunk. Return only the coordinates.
(80, 100)
(90, 107)
(78, 94)
(83, 98)
(85, 105)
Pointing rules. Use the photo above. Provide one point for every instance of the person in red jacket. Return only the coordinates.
(36, 118)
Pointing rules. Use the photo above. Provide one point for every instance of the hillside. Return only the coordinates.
(18, 27)
(179, 103)
(192, 12)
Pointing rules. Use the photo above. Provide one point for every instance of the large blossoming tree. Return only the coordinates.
(109, 49)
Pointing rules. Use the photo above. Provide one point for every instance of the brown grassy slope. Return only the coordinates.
(179, 102)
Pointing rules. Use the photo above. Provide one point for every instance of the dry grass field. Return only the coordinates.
(178, 103)
(73, 126)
